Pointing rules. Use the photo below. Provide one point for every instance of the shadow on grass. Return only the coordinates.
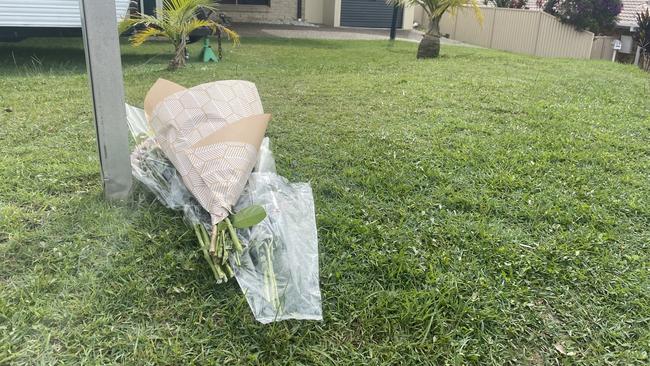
(312, 43)
(59, 56)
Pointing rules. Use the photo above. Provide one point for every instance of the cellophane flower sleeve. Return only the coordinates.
(279, 266)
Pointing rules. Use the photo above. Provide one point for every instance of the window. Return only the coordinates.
(246, 2)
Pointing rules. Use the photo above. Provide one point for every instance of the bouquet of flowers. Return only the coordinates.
(196, 150)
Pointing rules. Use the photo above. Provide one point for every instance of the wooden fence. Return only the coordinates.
(516, 30)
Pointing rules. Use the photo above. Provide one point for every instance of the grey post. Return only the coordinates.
(101, 43)
(637, 56)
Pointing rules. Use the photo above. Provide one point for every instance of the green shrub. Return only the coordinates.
(597, 16)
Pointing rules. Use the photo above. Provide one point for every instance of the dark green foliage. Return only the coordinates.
(642, 37)
(516, 4)
(480, 208)
(597, 16)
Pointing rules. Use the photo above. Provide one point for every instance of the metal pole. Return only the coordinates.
(393, 23)
(102, 47)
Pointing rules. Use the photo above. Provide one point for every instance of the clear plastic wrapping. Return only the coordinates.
(151, 168)
(279, 266)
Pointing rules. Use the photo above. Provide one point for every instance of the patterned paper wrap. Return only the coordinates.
(211, 133)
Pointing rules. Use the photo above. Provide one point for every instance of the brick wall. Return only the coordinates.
(278, 11)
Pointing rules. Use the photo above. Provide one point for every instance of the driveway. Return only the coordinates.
(326, 32)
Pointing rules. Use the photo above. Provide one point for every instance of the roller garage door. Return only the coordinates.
(368, 14)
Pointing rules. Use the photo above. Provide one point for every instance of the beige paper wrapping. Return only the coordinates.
(211, 133)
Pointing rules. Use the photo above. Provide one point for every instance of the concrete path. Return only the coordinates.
(326, 32)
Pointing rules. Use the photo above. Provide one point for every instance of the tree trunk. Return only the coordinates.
(430, 44)
(178, 60)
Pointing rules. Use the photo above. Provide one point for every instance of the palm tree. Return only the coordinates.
(642, 35)
(175, 21)
(430, 44)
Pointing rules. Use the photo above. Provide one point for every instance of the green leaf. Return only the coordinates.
(250, 216)
(222, 226)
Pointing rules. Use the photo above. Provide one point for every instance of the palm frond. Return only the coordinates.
(454, 5)
(232, 35)
(436, 8)
(195, 24)
(145, 34)
(185, 10)
(176, 20)
(125, 24)
(138, 19)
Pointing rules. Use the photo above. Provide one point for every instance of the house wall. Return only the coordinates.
(418, 15)
(47, 13)
(408, 17)
(328, 12)
(278, 11)
(337, 13)
(314, 11)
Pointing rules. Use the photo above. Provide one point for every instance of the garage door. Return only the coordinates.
(368, 13)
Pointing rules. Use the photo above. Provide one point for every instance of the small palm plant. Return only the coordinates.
(430, 44)
(175, 21)
(643, 36)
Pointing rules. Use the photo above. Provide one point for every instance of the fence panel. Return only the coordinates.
(602, 49)
(517, 30)
(560, 40)
(468, 28)
(447, 24)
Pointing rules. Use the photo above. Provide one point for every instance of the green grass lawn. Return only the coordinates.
(483, 207)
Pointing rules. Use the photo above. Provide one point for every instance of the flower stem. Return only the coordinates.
(201, 234)
(213, 241)
(224, 252)
(273, 285)
(228, 270)
(233, 236)
(222, 275)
